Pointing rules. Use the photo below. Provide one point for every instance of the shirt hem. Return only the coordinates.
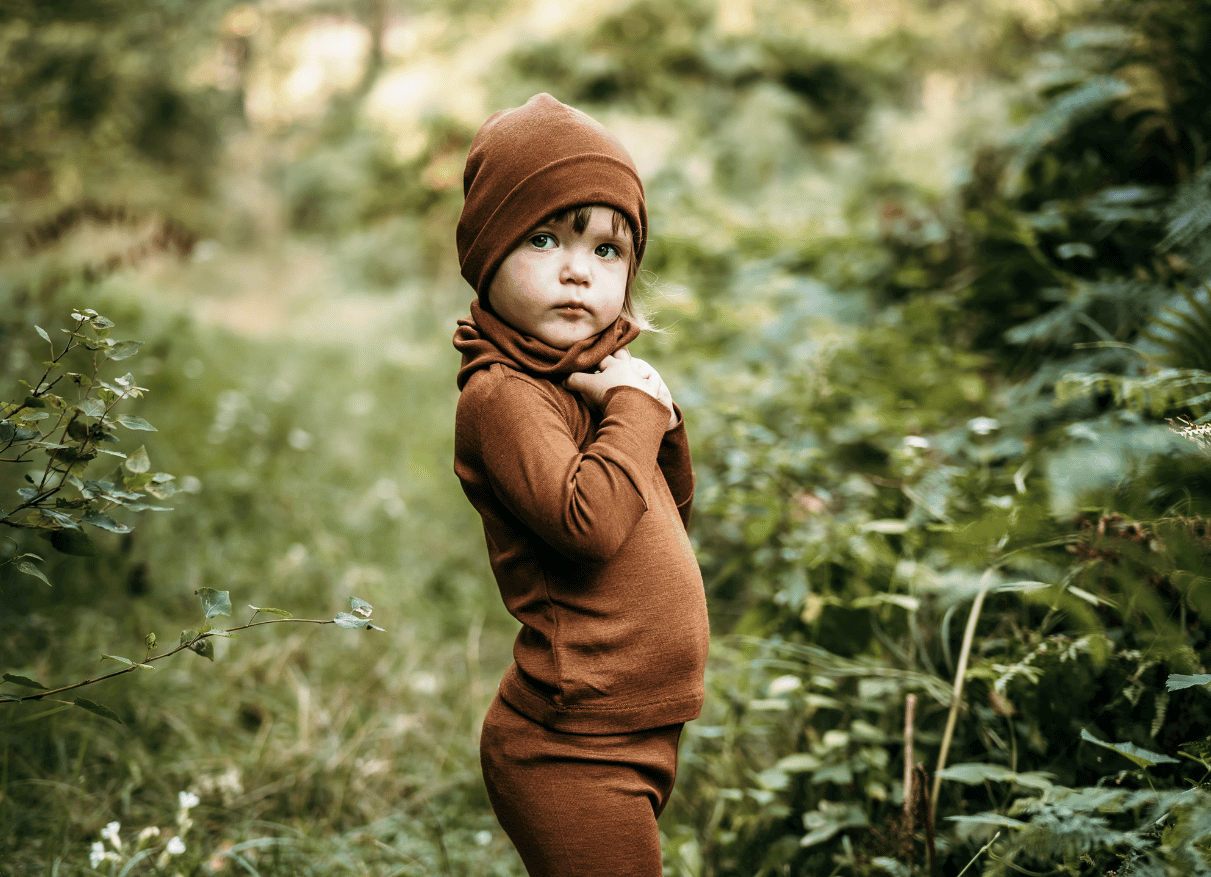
(598, 719)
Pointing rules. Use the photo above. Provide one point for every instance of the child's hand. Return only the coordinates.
(622, 370)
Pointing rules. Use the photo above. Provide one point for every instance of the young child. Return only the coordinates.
(576, 458)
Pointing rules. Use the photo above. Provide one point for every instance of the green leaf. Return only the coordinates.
(205, 648)
(188, 636)
(1141, 757)
(976, 774)
(42, 332)
(128, 661)
(124, 349)
(30, 570)
(215, 602)
(1177, 681)
(104, 522)
(94, 707)
(799, 762)
(138, 462)
(350, 622)
(161, 489)
(24, 681)
(61, 519)
(988, 819)
(361, 607)
(280, 613)
(131, 422)
(90, 406)
(72, 542)
(150, 640)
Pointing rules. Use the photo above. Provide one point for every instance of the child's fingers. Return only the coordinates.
(577, 382)
(623, 354)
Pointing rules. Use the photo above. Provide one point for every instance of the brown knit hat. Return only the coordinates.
(532, 161)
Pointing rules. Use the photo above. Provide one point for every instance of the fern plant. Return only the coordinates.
(1181, 386)
(1184, 336)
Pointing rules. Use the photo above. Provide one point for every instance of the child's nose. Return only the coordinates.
(577, 266)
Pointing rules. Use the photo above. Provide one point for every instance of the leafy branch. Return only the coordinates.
(70, 428)
(214, 603)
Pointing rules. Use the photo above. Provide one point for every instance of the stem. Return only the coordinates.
(181, 647)
(983, 850)
(956, 698)
(910, 717)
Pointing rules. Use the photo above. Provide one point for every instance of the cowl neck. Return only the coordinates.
(484, 339)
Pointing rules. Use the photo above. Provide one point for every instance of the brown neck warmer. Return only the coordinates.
(530, 162)
(483, 338)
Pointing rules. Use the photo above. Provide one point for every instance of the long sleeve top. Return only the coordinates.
(584, 516)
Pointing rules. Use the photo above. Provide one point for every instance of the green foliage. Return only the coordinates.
(70, 431)
(93, 94)
(904, 398)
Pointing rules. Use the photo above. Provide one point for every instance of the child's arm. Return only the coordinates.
(622, 369)
(582, 503)
(674, 462)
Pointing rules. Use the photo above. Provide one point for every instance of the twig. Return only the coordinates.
(983, 850)
(956, 698)
(910, 719)
(186, 645)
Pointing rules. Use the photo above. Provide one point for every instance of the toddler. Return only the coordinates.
(576, 458)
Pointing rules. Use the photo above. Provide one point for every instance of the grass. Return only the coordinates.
(319, 465)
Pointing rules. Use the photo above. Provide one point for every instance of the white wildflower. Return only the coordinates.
(99, 854)
(110, 833)
(916, 441)
(149, 833)
(983, 425)
(176, 846)
(784, 685)
(187, 800)
(483, 838)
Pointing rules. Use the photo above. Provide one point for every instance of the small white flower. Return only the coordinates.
(784, 685)
(983, 425)
(149, 833)
(187, 800)
(110, 833)
(176, 846)
(98, 854)
(483, 838)
(916, 441)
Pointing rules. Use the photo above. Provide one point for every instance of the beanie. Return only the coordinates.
(529, 162)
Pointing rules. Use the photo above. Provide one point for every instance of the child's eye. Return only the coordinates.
(542, 241)
(609, 251)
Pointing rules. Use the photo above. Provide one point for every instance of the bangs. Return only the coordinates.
(579, 218)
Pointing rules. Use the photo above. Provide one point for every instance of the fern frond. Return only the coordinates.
(1191, 211)
(1167, 390)
(1187, 343)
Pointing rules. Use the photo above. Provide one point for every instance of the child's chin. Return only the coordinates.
(564, 340)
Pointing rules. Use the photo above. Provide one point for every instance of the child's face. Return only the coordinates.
(561, 285)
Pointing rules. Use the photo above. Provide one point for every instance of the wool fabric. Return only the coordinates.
(578, 805)
(584, 514)
(530, 162)
(483, 338)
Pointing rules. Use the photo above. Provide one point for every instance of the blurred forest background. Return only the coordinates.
(934, 280)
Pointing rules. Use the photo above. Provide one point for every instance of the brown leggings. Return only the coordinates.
(578, 805)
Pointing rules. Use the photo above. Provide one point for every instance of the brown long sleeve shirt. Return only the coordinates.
(584, 515)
